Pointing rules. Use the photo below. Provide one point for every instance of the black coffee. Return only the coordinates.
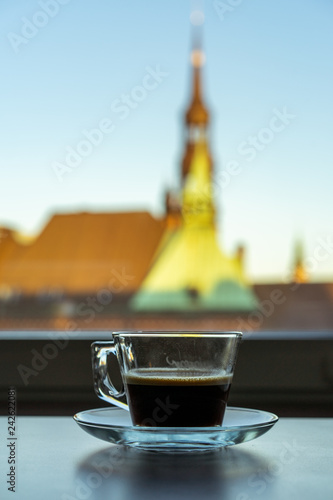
(176, 399)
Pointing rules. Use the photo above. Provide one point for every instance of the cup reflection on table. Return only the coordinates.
(170, 379)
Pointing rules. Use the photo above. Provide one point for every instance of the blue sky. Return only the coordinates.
(68, 64)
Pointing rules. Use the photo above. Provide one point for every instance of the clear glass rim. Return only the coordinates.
(180, 333)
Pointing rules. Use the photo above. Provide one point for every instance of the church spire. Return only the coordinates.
(197, 113)
(197, 194)
(190, 272)
(299, 273)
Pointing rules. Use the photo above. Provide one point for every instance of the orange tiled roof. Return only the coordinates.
(82, 253)
(10, 249)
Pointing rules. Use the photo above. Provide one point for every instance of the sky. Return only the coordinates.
(93, 97)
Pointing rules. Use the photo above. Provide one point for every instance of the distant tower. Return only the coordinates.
(197, 166)
(189, 271)
(299, 272)
(240, 255)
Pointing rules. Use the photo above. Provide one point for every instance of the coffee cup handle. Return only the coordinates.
(103, 385)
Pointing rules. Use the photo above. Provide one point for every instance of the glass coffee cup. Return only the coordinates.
(170, 379)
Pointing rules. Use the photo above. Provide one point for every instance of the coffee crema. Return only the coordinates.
(177, 398)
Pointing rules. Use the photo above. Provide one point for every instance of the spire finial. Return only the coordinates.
(197, 113)
(299, 274)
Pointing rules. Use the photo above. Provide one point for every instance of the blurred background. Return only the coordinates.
(166, 163)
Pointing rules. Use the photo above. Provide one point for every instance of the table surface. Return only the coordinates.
(55, 459)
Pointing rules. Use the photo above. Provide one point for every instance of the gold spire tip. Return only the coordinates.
(197, 58)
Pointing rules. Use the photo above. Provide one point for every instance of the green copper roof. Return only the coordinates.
(226, 296)
(231, 296)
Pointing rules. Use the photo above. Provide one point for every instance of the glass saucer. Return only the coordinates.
(114, 425)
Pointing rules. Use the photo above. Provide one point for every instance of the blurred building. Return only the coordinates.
(189, 271)
(133, 270)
